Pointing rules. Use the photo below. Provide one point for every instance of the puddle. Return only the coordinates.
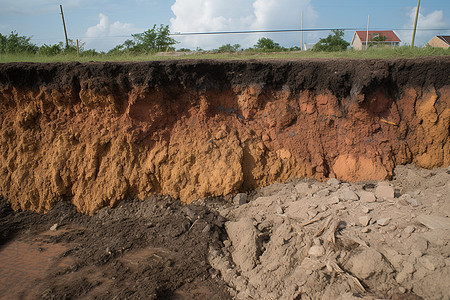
(22, 262)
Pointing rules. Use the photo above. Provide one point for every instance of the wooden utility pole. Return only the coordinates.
(367, 33)
(415, 24)
(301, 46)
(64, 24)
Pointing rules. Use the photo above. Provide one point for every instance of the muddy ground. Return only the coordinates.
(303, 239)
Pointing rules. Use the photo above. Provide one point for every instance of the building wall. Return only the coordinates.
(357, 45)
(437, 42)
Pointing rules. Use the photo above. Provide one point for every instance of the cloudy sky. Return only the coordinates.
(102, 24)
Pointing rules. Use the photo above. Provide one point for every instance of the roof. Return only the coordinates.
(445, 38)
(389, 34)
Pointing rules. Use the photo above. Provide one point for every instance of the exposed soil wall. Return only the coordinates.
(101, 132)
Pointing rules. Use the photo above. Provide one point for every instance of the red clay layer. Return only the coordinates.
(98, 133)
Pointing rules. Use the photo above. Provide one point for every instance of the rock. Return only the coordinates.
(384, 191)
(334, 200)
(367, 263)
(333, 182)
(312, 213)
(240, 199)
(349, 195)
(408, 267)
(409, 229)
(364, 220)
(280, 210)
(401, 290)
(226, 243)
(365, 209)
(410, 200)
(302, 188)
(365, 230)
(367, 197)
(383, 221)
(323, 193)
(316, 251)
(427, 263)
(54, 227)
(434, 222)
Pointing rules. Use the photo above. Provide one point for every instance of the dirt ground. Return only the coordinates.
(303, 239)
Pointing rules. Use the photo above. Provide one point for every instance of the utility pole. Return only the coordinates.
(415, 24)
(367, 33)
(301, 46)
(64, 24)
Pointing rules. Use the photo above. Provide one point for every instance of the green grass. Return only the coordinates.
(398, 52)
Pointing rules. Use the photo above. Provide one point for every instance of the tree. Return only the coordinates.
(229, 48)
(377, 39)
(152, 40)
(16, 44)
(333, 42)
(266, 44)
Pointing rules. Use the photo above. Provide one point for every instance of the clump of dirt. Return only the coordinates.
(152, 249)
(337, 240)
(97, 133)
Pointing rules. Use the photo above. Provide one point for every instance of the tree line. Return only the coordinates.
(156, 39)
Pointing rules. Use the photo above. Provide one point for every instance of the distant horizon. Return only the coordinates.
(107, 23)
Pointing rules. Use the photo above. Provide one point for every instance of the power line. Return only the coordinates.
(257, 31)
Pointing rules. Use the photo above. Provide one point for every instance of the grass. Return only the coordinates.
(397, 52)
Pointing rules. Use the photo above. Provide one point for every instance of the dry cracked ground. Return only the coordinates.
(303, 239)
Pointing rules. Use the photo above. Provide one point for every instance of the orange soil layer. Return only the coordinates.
(98, 133)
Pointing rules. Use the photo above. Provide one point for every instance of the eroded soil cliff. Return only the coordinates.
(97, 133)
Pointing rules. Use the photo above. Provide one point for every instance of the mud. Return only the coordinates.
(152, 249)
(97, 133)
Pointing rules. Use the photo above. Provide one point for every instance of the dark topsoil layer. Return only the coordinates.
(341, 76)
(153, 249)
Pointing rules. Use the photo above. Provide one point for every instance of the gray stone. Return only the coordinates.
(333, 182)
(409, 229)
(280, 210)
(365, 209)
(385, 192)
(240, 199)
(323, 193)
(364, 220)
(54, 227)
(434, 222)
(367, 197)
(316, 251)
(383, 221)
(349, 195)
(334, 200)
(410, 200)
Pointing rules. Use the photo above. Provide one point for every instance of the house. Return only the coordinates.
(388, 38)
(441, 41)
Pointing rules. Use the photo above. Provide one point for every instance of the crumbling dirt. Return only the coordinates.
(337, 240)
(304, 239)
(97, 133)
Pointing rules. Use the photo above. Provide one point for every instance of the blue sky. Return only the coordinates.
(102, 24)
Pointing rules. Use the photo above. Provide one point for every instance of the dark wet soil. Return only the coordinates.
(152, 249)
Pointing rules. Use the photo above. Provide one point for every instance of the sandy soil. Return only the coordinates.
(300, 240)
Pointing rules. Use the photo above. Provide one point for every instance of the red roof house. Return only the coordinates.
(387, 38)
(441, 41)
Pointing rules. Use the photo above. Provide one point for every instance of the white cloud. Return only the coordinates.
(432, 20)
(105, 35)
(232, 15)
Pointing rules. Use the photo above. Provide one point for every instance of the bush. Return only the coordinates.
(14, 43)
(333, 42)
